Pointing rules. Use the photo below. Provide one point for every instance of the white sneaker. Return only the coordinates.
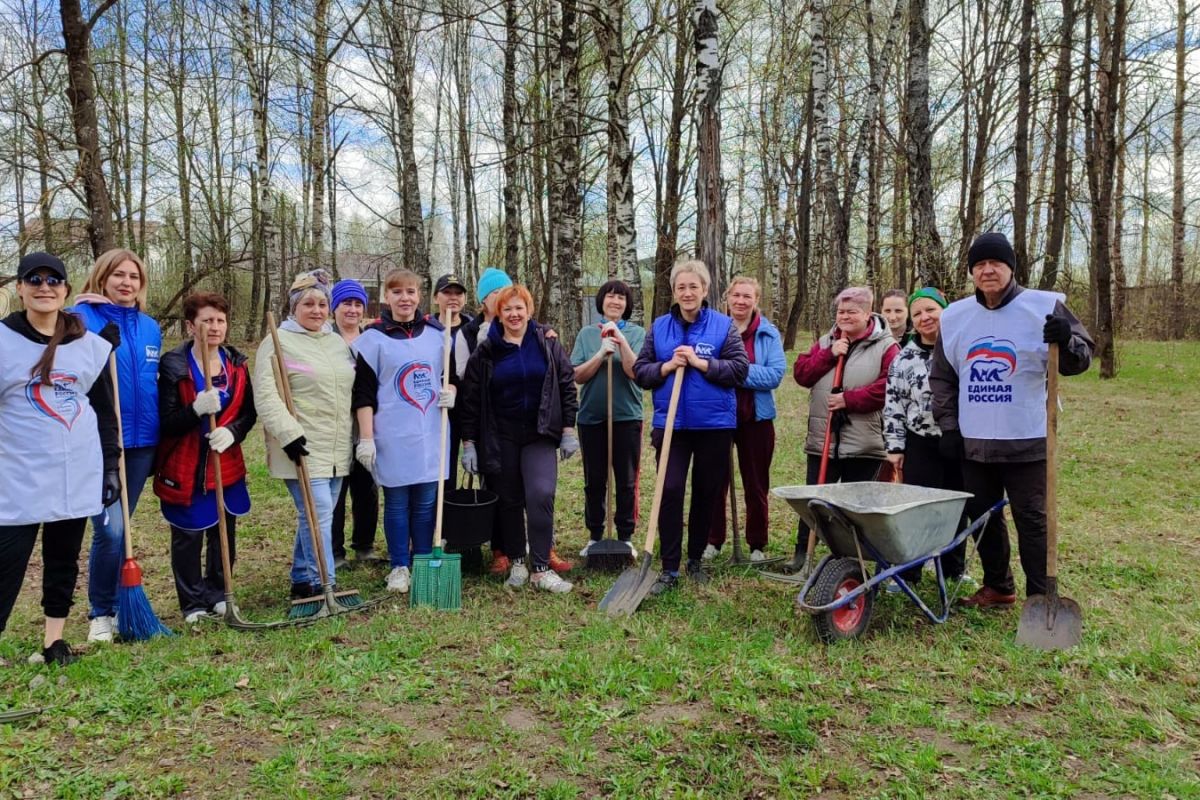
(583, 553)
(551, 582)
(757, 555)
(100, 629)
(710, 553)
(398, 580)
(518, 576)
(219, 608)
(195, 617)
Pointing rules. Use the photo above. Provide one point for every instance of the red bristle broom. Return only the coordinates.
(136, 620)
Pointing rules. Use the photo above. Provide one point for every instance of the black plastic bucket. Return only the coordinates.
(468, 517)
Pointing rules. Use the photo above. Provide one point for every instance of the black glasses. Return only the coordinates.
(38, 280)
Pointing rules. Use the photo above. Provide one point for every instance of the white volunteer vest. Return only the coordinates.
(51, 467)
(408, 420)
(1001, 363)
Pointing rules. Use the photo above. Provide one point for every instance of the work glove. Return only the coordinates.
(364, 453)
(469, 459)
(950, 446)
(112, 487)
(608, 346)
(610, 330)
(111, 334)
(207, 402)
(295, 449)
(446, 397)
(220, 440)
(1056, 331)
(568, 445)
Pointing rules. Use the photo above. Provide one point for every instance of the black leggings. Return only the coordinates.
(200, 586)
(61, 542)
(925, 466)
(364, 495)
(709, 450)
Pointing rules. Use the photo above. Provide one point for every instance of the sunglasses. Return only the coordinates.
(50, 280)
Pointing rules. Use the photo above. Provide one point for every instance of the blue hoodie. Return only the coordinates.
(137, 366)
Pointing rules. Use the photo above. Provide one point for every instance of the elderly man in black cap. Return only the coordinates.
(988, 378)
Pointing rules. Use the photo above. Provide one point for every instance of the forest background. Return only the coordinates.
(234, 143)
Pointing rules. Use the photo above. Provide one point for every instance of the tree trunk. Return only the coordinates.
(81, 93)
(567, 171)
(668, 218)
(1021, 142)
(803, 223)
(1062, 125)
(1178, 320)
(710, 199)
(512, 146)
(319, 122)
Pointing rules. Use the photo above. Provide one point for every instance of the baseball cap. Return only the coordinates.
(32, 262)
(448, 280)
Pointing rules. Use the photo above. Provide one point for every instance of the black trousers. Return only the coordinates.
(925, 466)
(526, 485)
(1025, 485)
(61, 542)
(627, 457)
(707, 452)
(364, 494)
(452, 454)
(200, 589)
(848, 470)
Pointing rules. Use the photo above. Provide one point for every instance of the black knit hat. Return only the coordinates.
(615, 287)
(991, 245)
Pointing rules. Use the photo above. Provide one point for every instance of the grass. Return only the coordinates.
(721, 691)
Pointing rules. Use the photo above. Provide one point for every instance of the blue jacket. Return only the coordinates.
(707, 400)
(766, 371)
(137, 366)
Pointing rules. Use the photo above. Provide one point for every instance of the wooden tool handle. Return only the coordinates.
(310, 507)
(112, 371)
(1052, 463)
(664, 456)
(609, 477)
(443, 445)
(222, 529)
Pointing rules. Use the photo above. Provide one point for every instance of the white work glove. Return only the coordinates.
(207, 402)
(470, 459)
(608, 346)
(220, 440)
(568, 445)
(364, 452)
(446, 397)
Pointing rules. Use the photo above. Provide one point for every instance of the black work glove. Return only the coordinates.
(112, 487)
(111, 334)
(1056, 331)
(950, 446)
(295, 449)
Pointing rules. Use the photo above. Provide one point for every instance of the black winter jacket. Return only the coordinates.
(556, 411)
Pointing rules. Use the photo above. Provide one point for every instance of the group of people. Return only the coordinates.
(943, 395)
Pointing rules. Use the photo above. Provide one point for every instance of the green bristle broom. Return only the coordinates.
(437, 576)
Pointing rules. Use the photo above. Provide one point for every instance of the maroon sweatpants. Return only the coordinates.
(755, 443)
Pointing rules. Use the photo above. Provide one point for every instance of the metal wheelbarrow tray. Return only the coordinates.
(897, 526)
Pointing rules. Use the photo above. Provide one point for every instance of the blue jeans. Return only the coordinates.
(408, 520)
(325, 493)
(108, 536)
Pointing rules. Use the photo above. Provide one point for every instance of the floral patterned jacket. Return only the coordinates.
(908, 402)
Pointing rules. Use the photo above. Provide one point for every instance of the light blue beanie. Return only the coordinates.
(491, 280)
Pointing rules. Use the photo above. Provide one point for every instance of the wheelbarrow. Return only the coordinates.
(896, 526)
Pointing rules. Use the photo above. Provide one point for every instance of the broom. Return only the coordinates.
(136, 620)
(437, 576)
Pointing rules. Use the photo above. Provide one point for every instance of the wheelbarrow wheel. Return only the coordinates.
(840, 577)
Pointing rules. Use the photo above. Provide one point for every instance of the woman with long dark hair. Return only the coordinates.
(59, 451)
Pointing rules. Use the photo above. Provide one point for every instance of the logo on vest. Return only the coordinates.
(990, 363)
(151, 353)
(59, 400)
(415, 385)
(703, 349)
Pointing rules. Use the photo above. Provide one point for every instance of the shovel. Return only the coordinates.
(634, 583)
(1050, 622)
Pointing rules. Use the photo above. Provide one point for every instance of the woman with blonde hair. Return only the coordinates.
(115, 294)
(707, 345)
(754, 436)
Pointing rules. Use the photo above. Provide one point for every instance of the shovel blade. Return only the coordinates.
(630, 589)
(1050, 622)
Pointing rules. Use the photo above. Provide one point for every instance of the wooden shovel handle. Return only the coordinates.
(112, 372)
(609, 478)
(442, 443)
(664, 456)
(223, 531)
(1052, 463)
